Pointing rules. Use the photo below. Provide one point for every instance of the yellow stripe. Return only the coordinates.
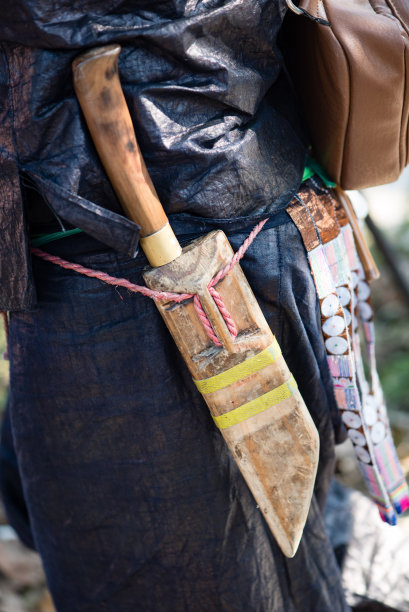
(240, 371)
(261, 403)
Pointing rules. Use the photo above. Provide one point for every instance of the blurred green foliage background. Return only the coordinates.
(392, 321)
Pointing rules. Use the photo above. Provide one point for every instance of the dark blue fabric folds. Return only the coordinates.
(134, 500)
(214, 114)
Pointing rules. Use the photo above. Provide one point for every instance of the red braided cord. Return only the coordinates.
(112, 280)
(205, 321)
(223, 311)
(239, 254)
(166, 295)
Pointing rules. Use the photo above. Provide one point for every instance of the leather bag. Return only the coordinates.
(351, 71)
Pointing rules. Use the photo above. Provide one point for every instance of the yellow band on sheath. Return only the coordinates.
(162, 247)
(240, 371)
(267, 400)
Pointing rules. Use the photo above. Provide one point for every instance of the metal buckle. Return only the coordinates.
(294, 8)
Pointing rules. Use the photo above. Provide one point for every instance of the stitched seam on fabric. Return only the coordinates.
(311, 217)
(322, 187)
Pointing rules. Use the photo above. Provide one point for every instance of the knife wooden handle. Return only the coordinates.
(102, 101)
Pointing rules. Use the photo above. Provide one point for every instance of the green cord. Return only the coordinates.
(308, 173)
(40, 239)
(313, 167)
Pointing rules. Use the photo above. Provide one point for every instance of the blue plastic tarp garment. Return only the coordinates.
(207, 93)
(134, 501)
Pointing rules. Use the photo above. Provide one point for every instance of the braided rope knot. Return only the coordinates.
(167, 295)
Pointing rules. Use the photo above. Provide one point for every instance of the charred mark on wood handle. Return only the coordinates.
(106, 97)
(174, 305)
(110, 128)
(238, 453)
(111, 72)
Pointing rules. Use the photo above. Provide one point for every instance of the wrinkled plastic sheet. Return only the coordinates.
(129, 491)
(374, 555)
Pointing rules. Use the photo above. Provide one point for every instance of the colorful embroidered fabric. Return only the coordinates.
(344, 295)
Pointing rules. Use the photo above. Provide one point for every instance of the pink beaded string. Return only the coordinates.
(164, 295)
